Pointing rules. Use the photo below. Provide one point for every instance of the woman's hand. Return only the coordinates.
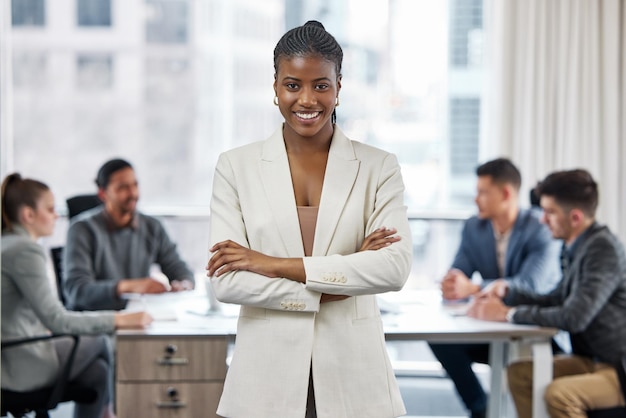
(380, 238)
(229, 256)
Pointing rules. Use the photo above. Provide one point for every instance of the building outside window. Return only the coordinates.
(173, 83)
(94, 71)
(167, 21)
(28, 13)
(94, 12)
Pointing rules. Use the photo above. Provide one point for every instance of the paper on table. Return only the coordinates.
(161, 306)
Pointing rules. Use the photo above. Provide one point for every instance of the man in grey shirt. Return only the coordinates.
(110, 249)
(589, 303)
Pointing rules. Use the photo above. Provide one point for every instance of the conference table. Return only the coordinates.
(406, 317)
(421, 315)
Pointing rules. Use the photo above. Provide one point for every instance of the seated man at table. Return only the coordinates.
(589, 302)
(110, 249)
(501, 242)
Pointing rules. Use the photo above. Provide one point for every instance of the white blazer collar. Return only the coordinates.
(341, 172)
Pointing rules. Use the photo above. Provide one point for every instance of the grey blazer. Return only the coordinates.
(590, 300)
(30, 307)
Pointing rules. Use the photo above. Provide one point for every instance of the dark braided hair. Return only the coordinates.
(18, 192)
(310, 39)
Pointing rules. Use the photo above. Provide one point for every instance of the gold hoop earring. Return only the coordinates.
(337, 101)
(275, 100)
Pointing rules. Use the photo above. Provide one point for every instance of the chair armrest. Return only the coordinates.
(64, 373)
(22, 341)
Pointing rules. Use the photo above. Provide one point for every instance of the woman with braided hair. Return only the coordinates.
(306, 228)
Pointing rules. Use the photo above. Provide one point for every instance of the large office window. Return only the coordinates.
(173, 83)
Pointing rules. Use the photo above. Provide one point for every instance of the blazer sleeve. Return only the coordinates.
(463, 259)
(169, 259)
(82, 290)
(244, 287)
(31, 279)
(370, 272)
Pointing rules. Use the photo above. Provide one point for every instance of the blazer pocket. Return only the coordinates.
(365, 307)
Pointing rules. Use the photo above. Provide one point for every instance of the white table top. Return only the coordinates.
(416, 316)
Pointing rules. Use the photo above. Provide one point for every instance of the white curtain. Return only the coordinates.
(556, 93)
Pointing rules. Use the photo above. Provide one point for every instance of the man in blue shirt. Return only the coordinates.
(501, 242)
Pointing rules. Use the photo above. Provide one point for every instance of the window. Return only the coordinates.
(167, 21)
(466, 21)
(94, 71)
(28, 13)
(93, 12)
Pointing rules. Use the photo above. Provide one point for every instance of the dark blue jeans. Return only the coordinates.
(457, 360)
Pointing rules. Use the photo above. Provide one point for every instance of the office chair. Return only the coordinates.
(81, 203)
(619, 412)
(40, 401)
(56, 254)
(75, 205)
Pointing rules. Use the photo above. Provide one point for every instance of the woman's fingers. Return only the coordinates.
(380, 238)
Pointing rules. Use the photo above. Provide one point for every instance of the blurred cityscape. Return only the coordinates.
(169, 84)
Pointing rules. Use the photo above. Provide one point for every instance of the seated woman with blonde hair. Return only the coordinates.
(30, 306)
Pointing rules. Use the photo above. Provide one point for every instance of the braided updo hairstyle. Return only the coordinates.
(310, 39)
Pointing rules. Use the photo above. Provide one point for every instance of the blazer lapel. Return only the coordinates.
(278, 188)
(341, 172)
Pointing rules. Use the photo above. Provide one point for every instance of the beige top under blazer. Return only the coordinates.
(31, 307)
(283, 331)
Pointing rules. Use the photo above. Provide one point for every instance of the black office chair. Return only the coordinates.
(56, 254)
(40, 401)
(614, 412)
(81, 203)
(75, 205)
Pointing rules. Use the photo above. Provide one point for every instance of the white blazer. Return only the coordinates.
(283, 331)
